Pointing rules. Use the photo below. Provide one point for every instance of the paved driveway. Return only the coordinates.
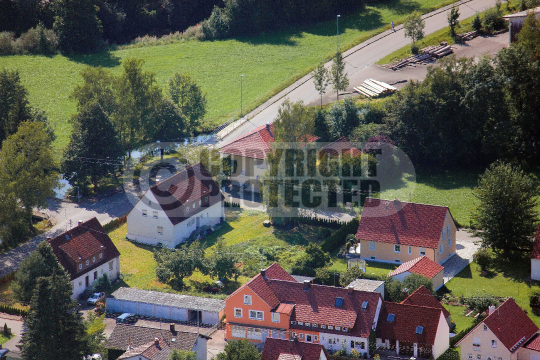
(466, 246)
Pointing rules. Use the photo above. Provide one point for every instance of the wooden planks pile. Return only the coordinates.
(437, 51)
(468, 36)
(408, 61)
(374, 88)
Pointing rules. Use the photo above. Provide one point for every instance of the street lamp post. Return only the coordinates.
(338, 32)
(241, 91)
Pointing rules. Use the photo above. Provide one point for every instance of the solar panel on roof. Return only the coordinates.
(339, 302)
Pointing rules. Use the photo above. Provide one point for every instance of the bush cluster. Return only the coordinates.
(38, 40)
(12, 310)
(337, 239)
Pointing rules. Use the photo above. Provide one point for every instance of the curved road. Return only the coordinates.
(358, 59)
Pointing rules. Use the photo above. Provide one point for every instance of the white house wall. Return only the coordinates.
(79, 283)
(442, 338)
(200, 348)
(535, 269)
(208, 216)
(343, 342)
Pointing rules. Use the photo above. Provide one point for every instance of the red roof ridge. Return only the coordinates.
(408, 202)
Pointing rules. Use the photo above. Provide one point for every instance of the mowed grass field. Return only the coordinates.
(269, 62)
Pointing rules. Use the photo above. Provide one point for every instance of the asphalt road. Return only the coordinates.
(358, 60)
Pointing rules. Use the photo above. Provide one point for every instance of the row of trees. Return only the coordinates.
(173, 266)
(116, 114)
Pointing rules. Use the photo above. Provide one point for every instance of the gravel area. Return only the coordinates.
(466, 246)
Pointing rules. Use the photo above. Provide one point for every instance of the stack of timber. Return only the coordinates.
(374, 88)
(437, 51)
(468, 36)
(408, 61)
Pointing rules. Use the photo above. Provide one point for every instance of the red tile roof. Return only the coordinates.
(421, 266)
(397, 222)
(150, 350)
(340, 146)
(276, 272)
(534, 343)
(422, 297)
(275, 349)
(181, 190)
(535, 253)
(406, 320)
(256, 144)
(510, 324)
(78, 244)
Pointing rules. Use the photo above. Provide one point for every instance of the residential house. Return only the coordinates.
(278, 349)
(131, 341)
(248, 155)
(420, 266)
(273, 305)
(368, 285)
(531, 350)
(171, 210)
(535, 256)
(340, 147)
(423, 297)
(516, 20)
(396, 231)
(500, 336)
(87, 253)
(420, 331)
(166, 306)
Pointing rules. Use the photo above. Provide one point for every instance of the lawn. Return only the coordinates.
(269, 62)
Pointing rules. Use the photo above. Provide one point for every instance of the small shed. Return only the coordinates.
(166, 306)
(368, 285)
(516, 20)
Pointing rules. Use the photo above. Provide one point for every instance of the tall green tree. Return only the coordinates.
(239, 350)
(320, 126)
(94, 334)
(320, 79)
(294, 123)
(338, 77)
(41, 263)
(344, 118)
(414, 27)
(413, 281)
(189, 97)
(173, 266)
(26, 161)
(14, 105)
(223, 262)
(182, 355)
(53, 330)
(351, 274)
(506, 217)
(453, 20)
(138, 95)
(312, 259)
(170, 124)
(77, 25)
(94, 151)
(529, 35)
(98, 86)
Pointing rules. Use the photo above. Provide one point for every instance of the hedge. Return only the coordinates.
(114, 224)
(332, 223)
(12, 310)
(337, 239)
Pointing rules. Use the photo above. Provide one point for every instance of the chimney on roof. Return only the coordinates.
(405, 293)
(172, 328)
(268, 126)
(491, 309)
(263, 273)
(49, 238)
(80, 222)
(156, 341)
(307, 284)
(350, 290)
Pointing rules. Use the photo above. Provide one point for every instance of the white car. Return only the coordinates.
(92, 300)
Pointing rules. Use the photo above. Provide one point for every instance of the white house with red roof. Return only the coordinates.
(87, 253)
(412, 330)
(397, 231)
(420, 266)
(278, 349)
(531, 350)
(273, 305)
(172, 209)
(501, 335)
(535, 256)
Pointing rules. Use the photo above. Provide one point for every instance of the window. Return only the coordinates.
(469, 357)
(87, 262)
(275, 317)
(447, 229)
(100, 255)
(254, 334)
(301, 335)
(449, 241)
(187, 209)
(80, 266)
(199, 202)
(144, 212)
(397, 248)
(397, 260)
(256, 315)
(309, 338)
(238, 331)
(293, 322)
(419, 329)
(330, 327)
(372, 257)
(338, 302)
(314, 325)
(360, 344)
(301, 323)
(155, 214)
(441, 249)
(422, 251)
(206, 199)
(247, 299)
(323, 326)
(476, 344)
(80, 283)
(485, 327)
(307, 324)
(160, 230)
(338, 328)
(194, 206)
(493, 343)
(237, 313)
(352, 344)
(390, 317)
(315, 337)
(478, 357)
(94, 259)
(372, 245)
(409, 250)
(345, 329)
(364, 305)
(111, 265)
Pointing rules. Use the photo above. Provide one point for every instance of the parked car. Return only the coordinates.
(95, 298)
(125, 318)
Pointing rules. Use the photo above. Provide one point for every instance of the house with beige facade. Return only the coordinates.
(503, 335)
(171, 210)
(396, 231)
(420, 266)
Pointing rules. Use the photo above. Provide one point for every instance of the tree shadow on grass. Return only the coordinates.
(402, 7)
(449, 180)
(104, 59)
(517, 269)
(466, 273)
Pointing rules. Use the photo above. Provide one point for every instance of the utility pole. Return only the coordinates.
(338, 32)
(241, 93)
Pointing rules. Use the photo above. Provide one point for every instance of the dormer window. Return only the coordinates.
(419, 329)
(345, 329)
(100, 255)
(364, 305)
(194, 206)
(187, 209)
(338, 302)
(80, 266)
(390, 317)
(206, 199)
(87, 262)
(94, 259)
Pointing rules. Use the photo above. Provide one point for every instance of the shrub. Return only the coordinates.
(7, 40)
(7, 331)
(38, 40)
(415, 49)
(102, 284)
(493, 20)
(337, 239)
(477, 23)
(483, 258)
